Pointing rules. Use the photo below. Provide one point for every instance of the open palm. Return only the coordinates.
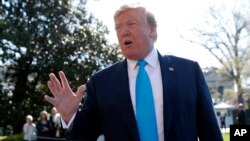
(65, 100)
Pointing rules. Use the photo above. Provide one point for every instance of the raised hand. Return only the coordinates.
(65, 100)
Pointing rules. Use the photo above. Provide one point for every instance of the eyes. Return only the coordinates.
(130, 24)
(118, 28)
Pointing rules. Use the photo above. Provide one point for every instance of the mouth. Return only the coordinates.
(127, 43)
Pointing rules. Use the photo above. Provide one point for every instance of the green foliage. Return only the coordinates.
(229, 94)
(40, 37)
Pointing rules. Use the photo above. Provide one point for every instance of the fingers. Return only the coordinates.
(64, 81)
(52, 88)
(62, 89)
(50, 99)
(55, 82)
(80, 90)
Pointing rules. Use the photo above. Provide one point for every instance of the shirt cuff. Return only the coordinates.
(65, 125)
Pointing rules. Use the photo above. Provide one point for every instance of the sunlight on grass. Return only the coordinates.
(226, 136)
(15, 137)
(2, 137)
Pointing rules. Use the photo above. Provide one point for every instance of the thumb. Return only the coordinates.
(80, 91)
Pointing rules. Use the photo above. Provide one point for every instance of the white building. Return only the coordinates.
(224, 109)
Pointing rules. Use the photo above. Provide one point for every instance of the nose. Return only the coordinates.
(125, 31)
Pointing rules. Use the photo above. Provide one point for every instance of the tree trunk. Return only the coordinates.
(239, 90)
(20, 87)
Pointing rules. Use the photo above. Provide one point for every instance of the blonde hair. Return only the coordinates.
(150, 18)
(29, 117)
(45, 113)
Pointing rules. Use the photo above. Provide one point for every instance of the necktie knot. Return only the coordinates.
(142, 63)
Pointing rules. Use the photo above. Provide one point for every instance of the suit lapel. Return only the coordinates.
(122, 89)
(169, 81)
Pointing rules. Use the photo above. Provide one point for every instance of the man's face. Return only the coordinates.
(135, 36)
(53, 111)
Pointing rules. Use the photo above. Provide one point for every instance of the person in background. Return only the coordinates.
(29, 129)
(54, 119)
(241, 117)
(145, 97)
(1, 131)
(43, 127)
(223, 121)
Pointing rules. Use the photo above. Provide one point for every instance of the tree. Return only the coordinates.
(39, 37)
(225, 33)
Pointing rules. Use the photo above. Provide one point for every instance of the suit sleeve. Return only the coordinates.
(207, 125)
(86, 125)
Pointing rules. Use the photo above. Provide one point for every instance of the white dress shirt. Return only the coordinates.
(154, 72)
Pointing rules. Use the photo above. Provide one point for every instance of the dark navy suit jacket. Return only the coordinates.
(188, 109)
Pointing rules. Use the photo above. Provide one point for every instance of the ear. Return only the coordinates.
(153, 32)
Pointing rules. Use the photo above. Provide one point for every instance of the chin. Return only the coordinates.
(132, 56)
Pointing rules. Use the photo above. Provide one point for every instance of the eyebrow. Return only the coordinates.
(130, 20)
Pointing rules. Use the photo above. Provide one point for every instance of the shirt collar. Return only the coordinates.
(151, 59)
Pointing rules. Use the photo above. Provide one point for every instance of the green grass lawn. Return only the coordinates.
(226, 136)
(16, 137)
(2, 137)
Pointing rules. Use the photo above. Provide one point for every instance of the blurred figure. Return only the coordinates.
(55, 123)
(1, 131)
(29, 129)
(241, 117)
(223, 121)
(43, 127)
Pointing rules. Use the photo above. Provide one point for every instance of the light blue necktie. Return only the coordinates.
(145, 111)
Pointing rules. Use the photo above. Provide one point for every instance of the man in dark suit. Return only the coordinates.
(241, 116)
(182, 105)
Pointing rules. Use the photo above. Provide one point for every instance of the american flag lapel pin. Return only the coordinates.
(171, 69)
